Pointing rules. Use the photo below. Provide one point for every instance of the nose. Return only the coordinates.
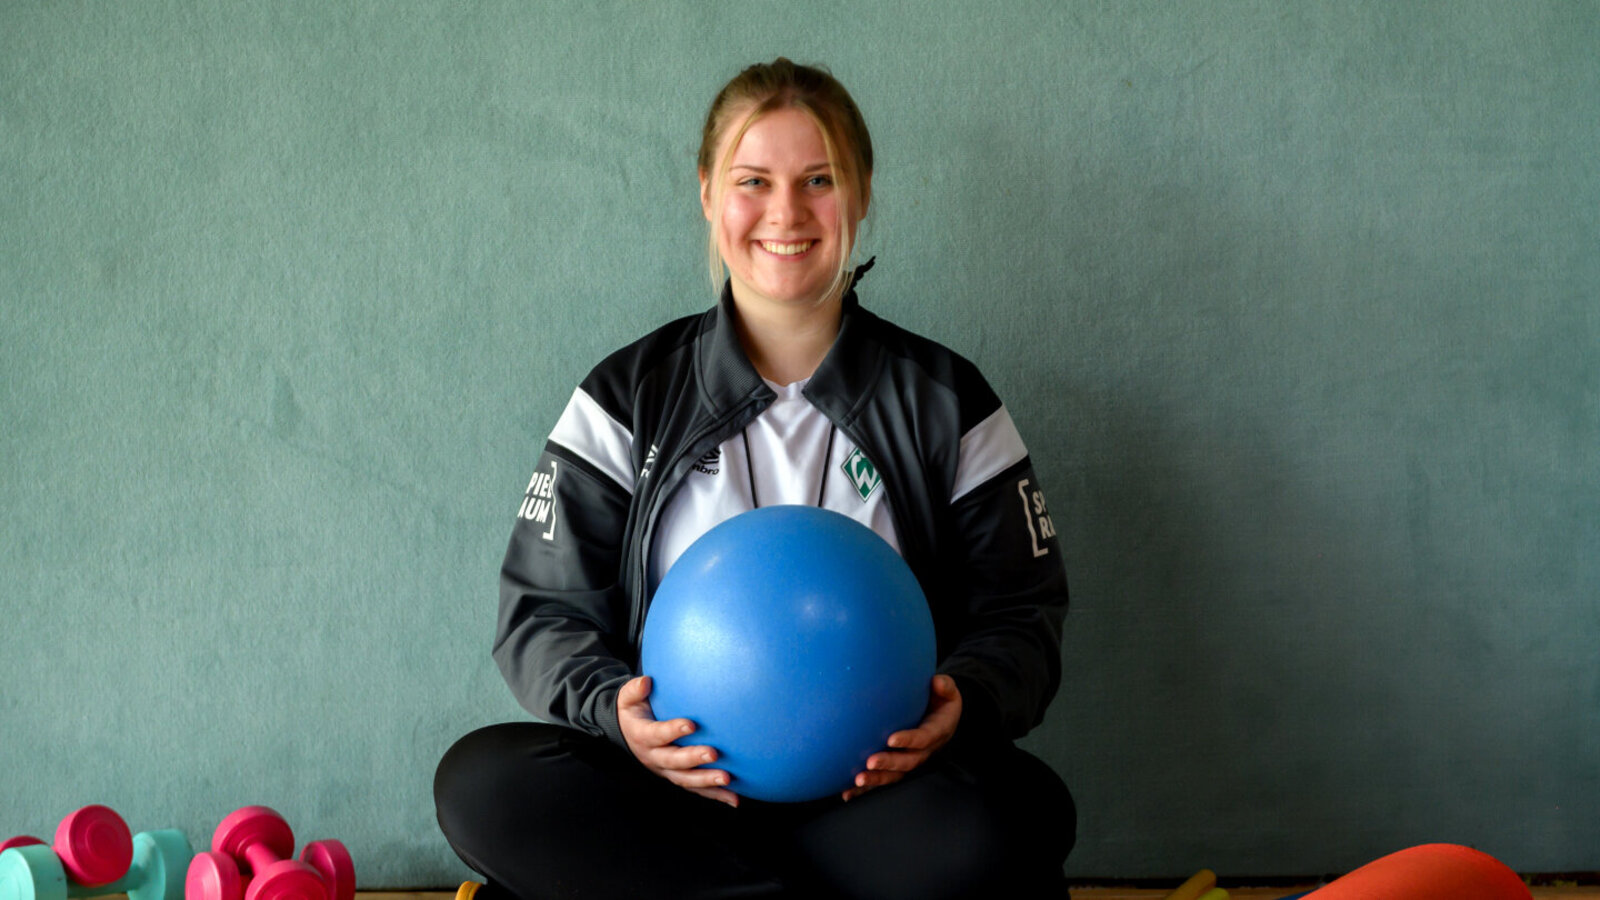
(787, 207)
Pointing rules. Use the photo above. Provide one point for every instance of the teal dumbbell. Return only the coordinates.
(159, 861)
(93, 844)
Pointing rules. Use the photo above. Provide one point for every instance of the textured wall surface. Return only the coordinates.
(1297, 305)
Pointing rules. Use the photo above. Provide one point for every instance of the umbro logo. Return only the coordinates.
(711, 463)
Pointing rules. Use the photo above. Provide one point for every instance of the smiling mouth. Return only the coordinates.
(783, 249)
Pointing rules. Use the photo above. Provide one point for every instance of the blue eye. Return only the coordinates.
(821, 181)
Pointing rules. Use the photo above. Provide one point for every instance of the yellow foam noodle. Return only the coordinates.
(1215, 894)
(1200, 882)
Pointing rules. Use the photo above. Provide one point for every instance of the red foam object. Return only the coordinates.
(263, 841)
(332, 861)
(1427, 872)
(213, 876)
(95, 846)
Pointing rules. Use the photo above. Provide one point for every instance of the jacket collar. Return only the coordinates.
(849, 373)
(841, 383)
(727, 377)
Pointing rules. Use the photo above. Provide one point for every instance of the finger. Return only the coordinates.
(696, 778)
(633, 703)
(946, 700)
(945, 705)
(866, 781)
(721, 795)
(634, 691)
(871, 780)
(661, 734)
(911, 739)
(896, 762)
(936, 728)
(670, 757)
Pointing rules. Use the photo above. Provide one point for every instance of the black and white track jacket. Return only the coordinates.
(971, 520)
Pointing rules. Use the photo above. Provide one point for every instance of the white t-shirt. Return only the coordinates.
(788, 462)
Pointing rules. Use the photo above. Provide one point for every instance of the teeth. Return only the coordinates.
(786, 249)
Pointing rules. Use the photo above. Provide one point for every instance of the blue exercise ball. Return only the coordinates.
(797, 640)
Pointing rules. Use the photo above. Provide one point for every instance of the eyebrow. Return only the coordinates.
(762, 170)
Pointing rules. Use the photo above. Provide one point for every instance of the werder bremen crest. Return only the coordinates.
(863, 477)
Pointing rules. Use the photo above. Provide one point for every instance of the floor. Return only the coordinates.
(1272, 893)
(1087, 893)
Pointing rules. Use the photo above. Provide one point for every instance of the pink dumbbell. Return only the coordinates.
(259, 839)
(94, 845)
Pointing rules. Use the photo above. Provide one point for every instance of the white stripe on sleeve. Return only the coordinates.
(603, 442)
(991, 447)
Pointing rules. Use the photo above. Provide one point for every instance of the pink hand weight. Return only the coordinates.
(332, 861)
(95, 846)
(259, 839)
(93, 843)
(213, 876)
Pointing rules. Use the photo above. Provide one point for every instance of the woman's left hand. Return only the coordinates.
(911, 748)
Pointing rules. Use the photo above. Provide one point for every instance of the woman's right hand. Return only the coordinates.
(651, 742)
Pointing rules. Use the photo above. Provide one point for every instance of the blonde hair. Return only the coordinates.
(781, 84)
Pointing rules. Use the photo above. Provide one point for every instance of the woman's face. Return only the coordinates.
(780, 212)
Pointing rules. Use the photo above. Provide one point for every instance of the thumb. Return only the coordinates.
(635, 691)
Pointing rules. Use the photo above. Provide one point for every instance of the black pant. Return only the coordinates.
(545, 811)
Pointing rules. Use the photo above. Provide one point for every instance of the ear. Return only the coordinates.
(705, 193)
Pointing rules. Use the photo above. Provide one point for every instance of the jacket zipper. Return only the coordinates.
(659, 493)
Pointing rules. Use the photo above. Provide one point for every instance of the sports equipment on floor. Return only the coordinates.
(257, 839)
(95, 856)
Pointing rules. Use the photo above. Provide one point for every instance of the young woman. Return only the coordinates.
(788, 391)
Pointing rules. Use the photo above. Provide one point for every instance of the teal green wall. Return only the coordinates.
(1297, 305)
